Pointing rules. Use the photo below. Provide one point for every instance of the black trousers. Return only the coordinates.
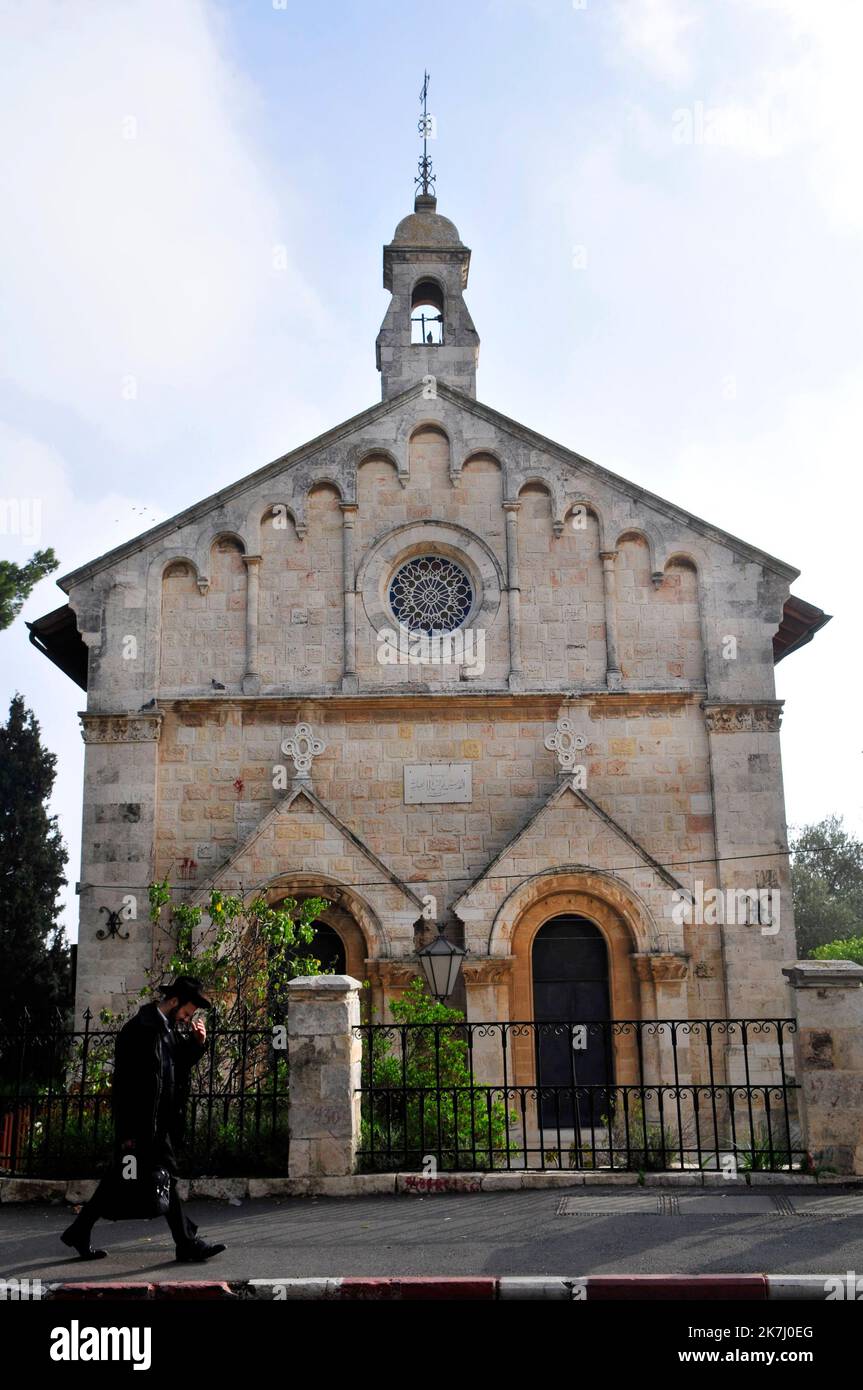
(183, 1229)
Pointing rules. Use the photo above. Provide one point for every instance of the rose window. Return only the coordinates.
(431, 594)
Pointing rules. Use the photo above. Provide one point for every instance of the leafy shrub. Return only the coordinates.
(423, 1103)
(850, 949)
(759, 1157)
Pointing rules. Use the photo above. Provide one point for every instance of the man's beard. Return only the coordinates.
(182, 1026)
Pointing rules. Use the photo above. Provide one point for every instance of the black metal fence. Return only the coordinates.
(56, 1117)
(634, 1095)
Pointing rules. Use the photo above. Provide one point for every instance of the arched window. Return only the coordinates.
(427, 314)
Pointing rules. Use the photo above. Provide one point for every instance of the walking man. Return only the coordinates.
(152, 1067)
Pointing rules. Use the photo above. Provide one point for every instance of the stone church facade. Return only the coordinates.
(587, 729)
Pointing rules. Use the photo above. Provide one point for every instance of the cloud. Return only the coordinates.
(39, 507)
(656, 33)
(773, 77)
(820, 89)
(778, 488)
(144, 253)
(780, 482)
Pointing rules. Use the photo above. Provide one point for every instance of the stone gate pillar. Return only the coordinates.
(324, 1057)
(828, 1057)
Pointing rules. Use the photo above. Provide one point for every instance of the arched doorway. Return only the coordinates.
(570, 973)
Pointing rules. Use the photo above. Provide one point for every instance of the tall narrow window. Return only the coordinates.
(427, 314)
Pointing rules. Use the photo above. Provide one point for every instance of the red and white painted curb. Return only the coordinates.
(591, 1288)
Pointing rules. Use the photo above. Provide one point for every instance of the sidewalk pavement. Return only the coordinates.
(565, 1234)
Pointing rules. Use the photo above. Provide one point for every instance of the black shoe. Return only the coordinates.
(82, 1244)
(197, 1252)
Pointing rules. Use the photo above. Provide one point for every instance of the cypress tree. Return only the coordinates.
(34, 956)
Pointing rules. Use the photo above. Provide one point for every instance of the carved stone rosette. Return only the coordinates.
(121, 728)
(739, 719)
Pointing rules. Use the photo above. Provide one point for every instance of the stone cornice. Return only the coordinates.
(120, 728)
(740, 717)
(628, 704)
(544, 703)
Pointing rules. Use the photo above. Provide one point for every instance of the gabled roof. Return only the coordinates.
(306, 452)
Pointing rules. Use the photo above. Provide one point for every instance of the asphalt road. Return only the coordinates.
(574, 1232)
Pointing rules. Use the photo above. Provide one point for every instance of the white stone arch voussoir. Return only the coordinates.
(491, 451)
(372, 448)
(552, 486)
(596, 510)
(210, 532)
(646, 533)
(689, 555)
(573, 878)
(429, 415)
(262, 512)
(327, 479)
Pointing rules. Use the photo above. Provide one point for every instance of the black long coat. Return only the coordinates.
(137, 1086)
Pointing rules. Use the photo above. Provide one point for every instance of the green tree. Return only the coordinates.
(35, 971)
(849, 949)
(423, 1100)
(827, 880)
(244, 953)
(18, 581)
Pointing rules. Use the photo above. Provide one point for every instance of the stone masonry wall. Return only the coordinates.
(635, 580)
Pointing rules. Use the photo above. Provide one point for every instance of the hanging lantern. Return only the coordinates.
(441, 962)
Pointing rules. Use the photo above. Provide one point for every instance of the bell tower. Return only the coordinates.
(427, 330)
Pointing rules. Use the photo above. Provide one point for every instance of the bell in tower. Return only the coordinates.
(427, 330)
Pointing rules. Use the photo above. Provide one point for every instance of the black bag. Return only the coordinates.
(136, 1199)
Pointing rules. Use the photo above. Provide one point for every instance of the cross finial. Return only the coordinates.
(425, 180)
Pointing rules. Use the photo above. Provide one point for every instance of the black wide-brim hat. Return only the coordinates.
(186, 988)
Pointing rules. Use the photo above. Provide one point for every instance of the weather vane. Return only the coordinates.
(425, 178)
